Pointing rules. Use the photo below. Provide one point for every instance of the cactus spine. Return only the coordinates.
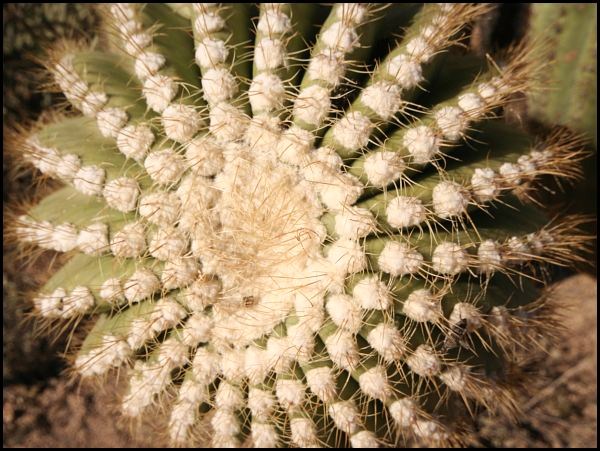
(290, 245)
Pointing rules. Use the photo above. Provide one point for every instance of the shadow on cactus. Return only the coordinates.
(326, 237)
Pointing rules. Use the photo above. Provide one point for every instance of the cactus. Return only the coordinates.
(571, 31)
(28, 27)
(326, 237)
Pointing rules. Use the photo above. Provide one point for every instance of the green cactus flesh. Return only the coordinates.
(571, 34)
(326, 237)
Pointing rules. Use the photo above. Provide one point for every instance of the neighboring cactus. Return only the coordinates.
(571, 97)
(297, 246)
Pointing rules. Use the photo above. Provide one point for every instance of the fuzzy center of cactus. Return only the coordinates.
(260, 240)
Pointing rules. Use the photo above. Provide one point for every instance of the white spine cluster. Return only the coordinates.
(266, 93)
(344, 312)
(353, 130)
(166, 313)
(269, 54)
(46, 159)
(134, 141)
(354, 222)
(374, 383)
(449, 258)
(219, 85)
(383, 168)
(261, 403)
(159, 90)
(148, 63)
(122, 194)
(164, 166)
(422, 306)
(264, 435)
(383, 98)
(89, 180)
(201, 293)
(345, 416)
(489, 256)
(406, 71)
(227, 123)
(160, 207)
(471, 103)
(111, 121)
(207, 20)
(93, 239)
(68, 167)
(294, 145)
(211, 52)
(398, 259)
(130, 241)
(404, 412)
(140, 285)
(179, 272)
(328, 66)
(484, 184)
(372, 293)
(450, 199)
(451, 122)
(180, 122)
(455, 378)
(64, 237)
(204, 156)
(337, 189)
(111, 353)
(342, 349)
(347, 255)
(424, 362)
(150, 378)
(77, 302)
(167, 243)
(321, 382)
(340, 37)
(422, 143)
(111, 291)
(49, 305)
(289, 392)
(364, 439)
(304, 434)
(404, 211)
(197, 329)
(387, 340)
(312, 105)
(232, 364)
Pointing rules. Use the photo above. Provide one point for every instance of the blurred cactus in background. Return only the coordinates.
(570, 33)
(569, 96)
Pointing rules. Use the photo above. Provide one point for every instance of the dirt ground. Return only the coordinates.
(560, 413)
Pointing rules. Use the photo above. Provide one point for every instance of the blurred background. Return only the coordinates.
(44, 407)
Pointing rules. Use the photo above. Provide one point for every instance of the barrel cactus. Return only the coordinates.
(297, 225)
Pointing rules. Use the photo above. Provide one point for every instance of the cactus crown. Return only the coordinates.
(297, 235)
